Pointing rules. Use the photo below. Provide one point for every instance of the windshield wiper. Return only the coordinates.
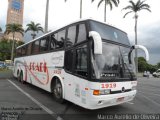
(131, 76)
(128, 70)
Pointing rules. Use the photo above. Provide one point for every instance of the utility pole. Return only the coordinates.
(46, 17)
(80, 9)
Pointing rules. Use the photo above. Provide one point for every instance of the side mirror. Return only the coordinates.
(97, 42)
(138, 47)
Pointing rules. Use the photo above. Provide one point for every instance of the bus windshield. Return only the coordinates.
(109, 33)
(113, 63)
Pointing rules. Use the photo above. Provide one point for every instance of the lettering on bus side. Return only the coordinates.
(56, 59)
(40, 67)
(57, 71)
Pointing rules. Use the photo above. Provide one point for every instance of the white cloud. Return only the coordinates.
(61, 13)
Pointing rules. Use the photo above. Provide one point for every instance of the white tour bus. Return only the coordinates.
(87, 62)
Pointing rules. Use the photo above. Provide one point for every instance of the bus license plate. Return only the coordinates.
(120, 99)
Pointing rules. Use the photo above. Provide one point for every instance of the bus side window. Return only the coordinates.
(69, 60)
(81, 61)
(18, 52)
(61, 38)
(82, 34)
(24, 51)
(44, 44)
(54, 38)
(35, 49)
(29, 47)
(71, 37)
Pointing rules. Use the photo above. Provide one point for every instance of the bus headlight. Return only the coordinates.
(101, 92)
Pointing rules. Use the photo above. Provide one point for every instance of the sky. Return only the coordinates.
(62, 13)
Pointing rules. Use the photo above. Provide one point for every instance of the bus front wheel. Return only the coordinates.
(58, 91)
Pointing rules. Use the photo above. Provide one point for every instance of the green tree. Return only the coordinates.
(5, 48)
(14, 28)
(135, 8)
(34, 28)
(142, 64)
(151, 68)
(107, 2)
(158, 65)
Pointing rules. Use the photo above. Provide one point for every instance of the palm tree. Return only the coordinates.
(46, 17)
(80, 7)
(13, 28)
(135, 8)
(34, 28)
(107, 2)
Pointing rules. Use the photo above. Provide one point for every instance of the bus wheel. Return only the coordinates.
(21, 78)
(58, 91)
(18, 76)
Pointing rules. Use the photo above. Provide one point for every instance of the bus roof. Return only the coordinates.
(80, 20)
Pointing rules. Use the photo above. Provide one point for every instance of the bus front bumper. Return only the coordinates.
(102, 101)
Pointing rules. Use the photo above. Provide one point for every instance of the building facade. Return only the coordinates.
(15, 15)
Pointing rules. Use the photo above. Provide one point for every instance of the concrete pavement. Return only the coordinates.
(6, 74)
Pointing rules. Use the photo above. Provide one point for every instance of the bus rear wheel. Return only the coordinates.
(58, 91)
(21, 77)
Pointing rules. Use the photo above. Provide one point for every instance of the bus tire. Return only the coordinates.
(21, 77)
(18, 76)
(57, 90)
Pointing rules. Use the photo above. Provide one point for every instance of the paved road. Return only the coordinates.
(6, 74)
(29, 102)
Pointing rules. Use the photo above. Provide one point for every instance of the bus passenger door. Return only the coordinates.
(68, 76)
(76, 74)
(76, 66)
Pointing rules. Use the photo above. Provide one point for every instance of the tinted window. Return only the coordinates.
(44, 44)
(35, 47)
(109, 33)
(61, 38)
(81, 33)
(81, 61)
(54, 38)
(24, 51)
(29, 47)
(71, 36)
(18, 52)
(57, 40)
(69, 60)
